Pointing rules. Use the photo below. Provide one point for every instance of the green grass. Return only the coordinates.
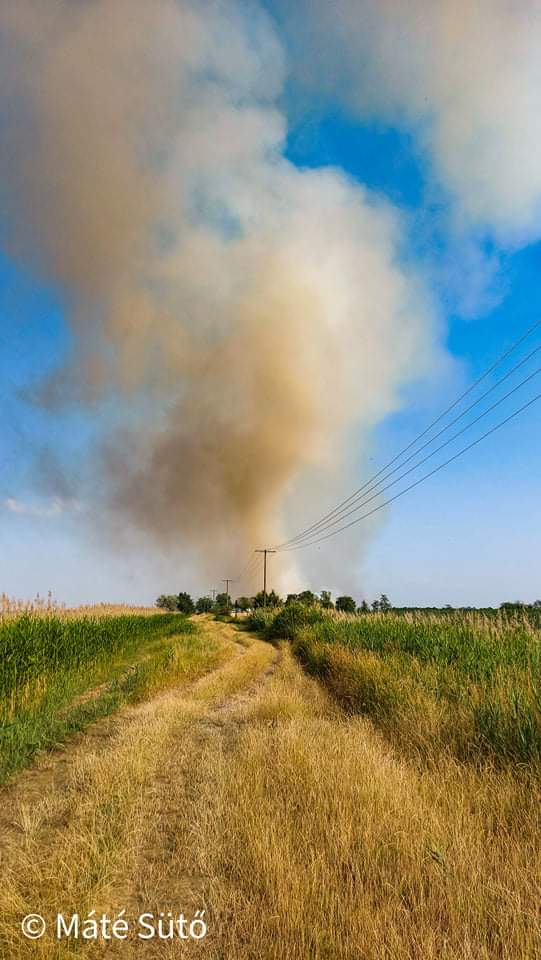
(33, 646)
(259, 620)
(60, 674)
(462, 683)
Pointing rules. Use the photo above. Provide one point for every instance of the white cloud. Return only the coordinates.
(52, 508)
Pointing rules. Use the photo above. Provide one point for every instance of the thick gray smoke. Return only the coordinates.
(246, 313)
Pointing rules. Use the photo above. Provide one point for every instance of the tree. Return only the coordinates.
(363, 607)
(185, 603)
(204, 605)
(273, 600)
(536, 604)
(345, 604)
(325, 600)
(384, 603)
(307, 597)
(223, 603)
(375, 606)
(244, 603)
(167, 602)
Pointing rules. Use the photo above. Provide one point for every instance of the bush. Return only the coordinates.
(292, 618)
(260, 620)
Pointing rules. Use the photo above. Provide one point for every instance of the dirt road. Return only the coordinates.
(95, 825)
(246, 799)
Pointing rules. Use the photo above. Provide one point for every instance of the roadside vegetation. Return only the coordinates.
(339, 847)
(465, 684)
(61, 670)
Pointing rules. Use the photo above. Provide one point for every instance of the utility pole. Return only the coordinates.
(265, 552)
(227, 582)
(213, 592)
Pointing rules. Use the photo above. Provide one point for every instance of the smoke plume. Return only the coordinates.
(239, 315)
(465, 76)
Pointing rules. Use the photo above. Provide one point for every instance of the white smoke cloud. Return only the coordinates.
(465, 75)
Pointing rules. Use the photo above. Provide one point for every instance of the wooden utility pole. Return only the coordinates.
(265, 552)
(227, 581)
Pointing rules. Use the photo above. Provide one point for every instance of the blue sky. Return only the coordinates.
(468, 536)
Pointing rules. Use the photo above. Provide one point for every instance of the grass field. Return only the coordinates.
(466, 684)
(324, 813)
(63, 670)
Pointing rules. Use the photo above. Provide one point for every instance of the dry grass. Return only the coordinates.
(465, 684)
(72, 834)
(316, 840)
(11, 606)
(299, 830)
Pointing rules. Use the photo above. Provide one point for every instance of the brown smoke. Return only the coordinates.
(245, 314)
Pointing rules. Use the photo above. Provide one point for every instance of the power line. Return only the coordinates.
(419, 481)
(340, 514)
(251, 559)
(255, 574)
(253, 583)
(313, 527)
(366, 499)
(249, 571)
(301, 540)
(246, 575)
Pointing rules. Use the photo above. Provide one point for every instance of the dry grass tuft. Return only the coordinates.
(41, 606)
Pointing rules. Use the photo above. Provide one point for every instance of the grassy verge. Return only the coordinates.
(59, 675)
(338, 848)
(463, 684)
(88, 841)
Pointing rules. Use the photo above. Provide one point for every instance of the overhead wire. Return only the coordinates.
(367, 499)
(249, 570)
(367, 488)
(249, 562)
(354, 496)
(255, 574)
(420, 480)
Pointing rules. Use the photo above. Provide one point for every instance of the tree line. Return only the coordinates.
(223, 603)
